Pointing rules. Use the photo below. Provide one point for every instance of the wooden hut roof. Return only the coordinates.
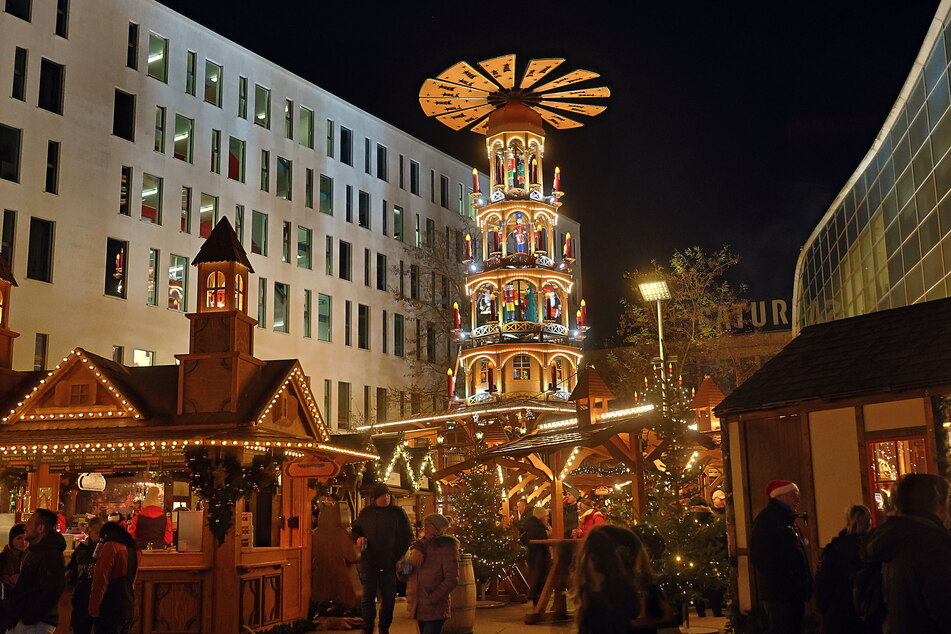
(591, 385)
(887, 351)
(222, 246)
(708, 394)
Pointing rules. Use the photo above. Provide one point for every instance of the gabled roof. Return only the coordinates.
(887, 351)
(222, 246)
(708, 394)
(591, 385)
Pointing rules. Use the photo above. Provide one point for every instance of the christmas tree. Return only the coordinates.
(479, 525)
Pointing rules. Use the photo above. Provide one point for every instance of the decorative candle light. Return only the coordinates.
(493, 315)
(490, 375)
(569, 247)
(468, 247)
(554, 377)
(456, 321)
(452, 383)
(584, 313)
(475, 180)
(538, 238)
(578, 322)
(557, 179)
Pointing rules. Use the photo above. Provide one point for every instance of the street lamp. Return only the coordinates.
(658, 292)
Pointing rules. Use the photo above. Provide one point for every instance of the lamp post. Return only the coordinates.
(658, 292)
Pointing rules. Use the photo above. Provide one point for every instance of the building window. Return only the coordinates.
(216, 151)
(304, 248)
(184, 138)
(329, 256)
(346, 146)
(363, 210)
(8, 235)
(432, 185)
(328, 397)
(363, 327)
(381, 272)
(239, 222)
(62, 18)
(414, 281)
(236, 149)
(158, 57)
(142, 358)
(888, 461)
(151, 199)
(385, 331)
(151, 283)
(417, 234)
(324, 323)
(366, 267)
(344, 265)
(52, 167)
(308, 188)
(430, 343)
(462, 200)
(186, 222)
(115, 272)
(384, 219)
(398, 222)
(132, 48)
(118, 354)
(288, 119)
(19, 74)
(159, 143)
(191, 69)
(213, 78)
(262, 106)
(348, 204)
(19, 8)
(347, 326)
(177, 282)
(414, 177)
(430, 233)
(262, 302)
(207, 214)
(381, 405)
(243, 97)
(40, 345)
(402, 172)
(381, 163)
(265, 171)
(125, 190)
(307, 314)
(402, 279)
(123, 116)
(399, 341)
(367, 156)
(215, 288)
(258, 232)
(285, 178)
(281, 309)
(444, 191)
(52, 76)
(326, 195)
(343, 405)
(418, 340)
(306, 132)
(521, 367)
(285, 241)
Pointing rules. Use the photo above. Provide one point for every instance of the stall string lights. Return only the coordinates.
(427, 466)
(297, 376)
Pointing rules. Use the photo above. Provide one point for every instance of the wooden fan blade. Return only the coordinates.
(577, 108)
(459, 120)
(538, 68)
(433, 106)
(444, 89)
(602, 92)
(465, 74)
(571, 78)
(482, 127)
(556, 120)
(501, 69)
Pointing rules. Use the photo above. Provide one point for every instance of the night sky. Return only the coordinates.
(729, 122)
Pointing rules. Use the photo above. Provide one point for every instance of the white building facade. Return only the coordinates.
(127, 131)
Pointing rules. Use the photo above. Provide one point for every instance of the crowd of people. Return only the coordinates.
(895, 578)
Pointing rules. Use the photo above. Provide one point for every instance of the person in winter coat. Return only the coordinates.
(334, 553)
(11, 560)
(913, 548)
(79, 575)
(841, 559)
(435, 573)
(150, 527)
(588, 518)
(112, 598)
(383, 534)
(778, 553)
(570, 513)
(538, 555)
(33, 604)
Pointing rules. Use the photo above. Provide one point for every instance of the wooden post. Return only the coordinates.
(638, 488)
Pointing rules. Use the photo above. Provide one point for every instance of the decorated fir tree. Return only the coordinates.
(479, 524)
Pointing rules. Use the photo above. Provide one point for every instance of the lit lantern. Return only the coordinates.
(475, 180)
(468, 247)
(456, 321)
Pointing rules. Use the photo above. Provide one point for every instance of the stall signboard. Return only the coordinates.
(314, 468)
(91, 482)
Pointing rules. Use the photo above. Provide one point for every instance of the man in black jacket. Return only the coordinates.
(784, 580)
(914, 550)
(383, 534)
(33, 606)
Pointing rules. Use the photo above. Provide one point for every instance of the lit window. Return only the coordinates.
(158, 57)
(151, 199)
(521, 367)
(258, 232)
(115, 271)
(324, 316)
(285, 178)
(142, 358)
(177, 282)
(184, 138)
(288, 119)
(306, 132)
(236, 149)
(238, 292)
(262, 106)
(207, 214)
(215, 290)
(281, 309)
(212, 83)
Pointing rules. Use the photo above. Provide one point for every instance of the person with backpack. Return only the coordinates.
(777, 551)
(835, 578)
(910, 553)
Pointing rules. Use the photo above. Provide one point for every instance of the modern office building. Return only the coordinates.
(127, 131)
(884, 242)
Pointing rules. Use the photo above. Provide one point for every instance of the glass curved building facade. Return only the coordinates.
(885, 241)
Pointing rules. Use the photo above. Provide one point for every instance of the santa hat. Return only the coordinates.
(780, 487)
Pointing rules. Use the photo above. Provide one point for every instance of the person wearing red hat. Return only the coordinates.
(777, 551)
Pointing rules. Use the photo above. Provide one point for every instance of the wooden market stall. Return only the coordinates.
(229, 443)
